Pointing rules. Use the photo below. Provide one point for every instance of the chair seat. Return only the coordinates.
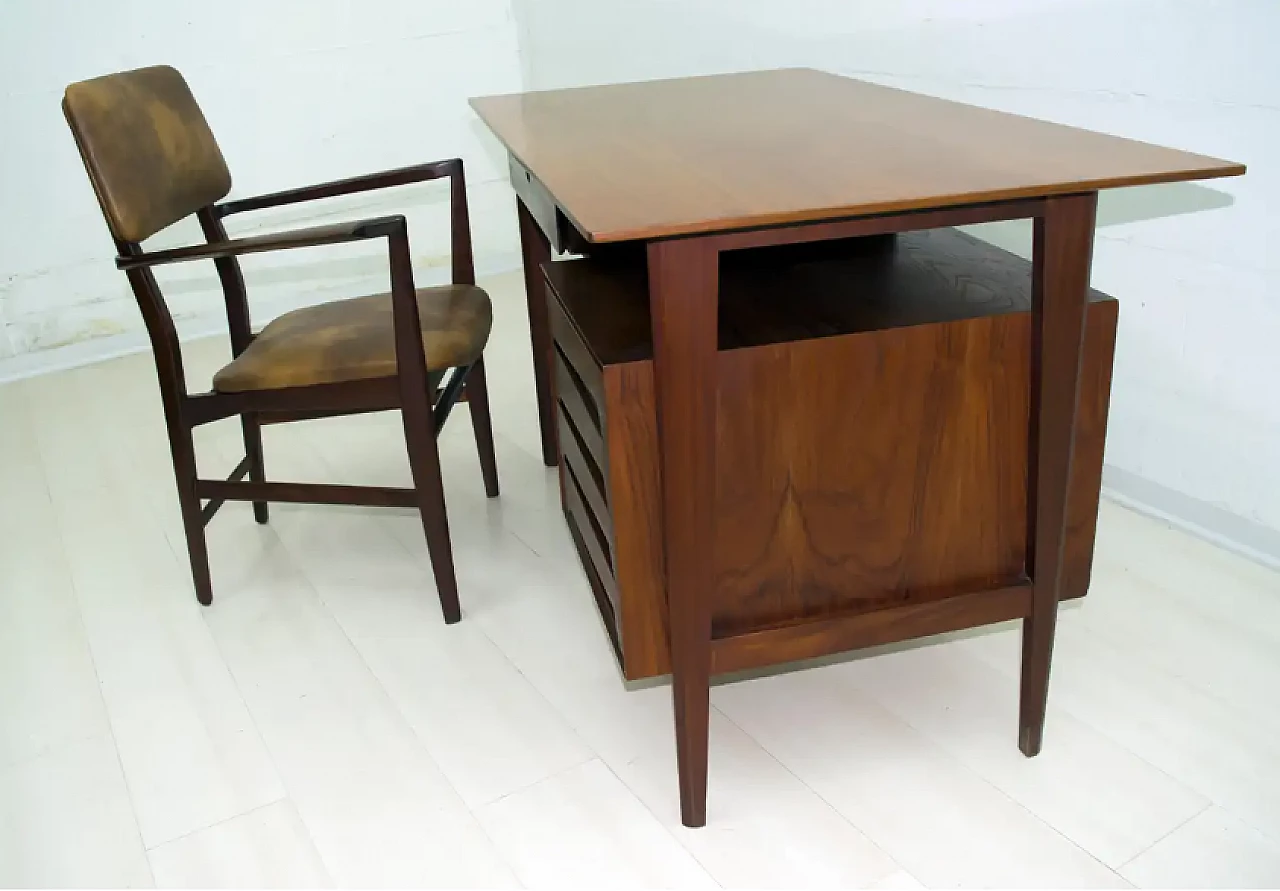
(349, 340)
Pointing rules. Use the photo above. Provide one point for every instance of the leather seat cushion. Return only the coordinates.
(349, 340)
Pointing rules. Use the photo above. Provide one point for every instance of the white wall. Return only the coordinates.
(1195, 425)
(297, 92)
(300, 91)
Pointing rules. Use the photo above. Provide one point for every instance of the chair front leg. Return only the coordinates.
(182, 447)
(424, 461)
(419, 421)
(478, 403)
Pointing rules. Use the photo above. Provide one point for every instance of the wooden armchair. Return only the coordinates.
(152, 161)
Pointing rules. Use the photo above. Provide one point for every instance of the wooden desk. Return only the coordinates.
(698, 166)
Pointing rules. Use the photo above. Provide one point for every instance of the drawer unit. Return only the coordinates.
(872, 434)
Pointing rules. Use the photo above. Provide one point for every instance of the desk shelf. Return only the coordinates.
(873, 412)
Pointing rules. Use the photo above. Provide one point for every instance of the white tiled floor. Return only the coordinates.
(320, 725)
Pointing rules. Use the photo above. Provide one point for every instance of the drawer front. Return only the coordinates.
(593, 537)
(575, 354)
(542, 207)
(579, 384)
(573, 402)
(589, 477)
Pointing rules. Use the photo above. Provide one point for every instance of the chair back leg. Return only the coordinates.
(424, 462)
(253, 451)
(478, 404)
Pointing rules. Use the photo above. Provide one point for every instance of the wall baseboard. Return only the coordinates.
(1229, 531)
(85, 352)
(204, 324)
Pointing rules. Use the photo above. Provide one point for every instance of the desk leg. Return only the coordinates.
(1062, 256)
(683, 296)
(536, 250)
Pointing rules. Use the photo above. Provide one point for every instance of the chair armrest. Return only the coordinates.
(462, 262)
(360, 230)
(402, 176)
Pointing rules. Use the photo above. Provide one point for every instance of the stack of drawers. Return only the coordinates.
(872, 433)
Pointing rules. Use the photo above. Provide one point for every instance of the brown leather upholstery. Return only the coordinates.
(351, 340)
(149, 152)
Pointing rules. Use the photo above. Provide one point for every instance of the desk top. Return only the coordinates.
(703, 154)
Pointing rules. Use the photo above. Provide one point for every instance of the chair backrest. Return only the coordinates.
(147, 147)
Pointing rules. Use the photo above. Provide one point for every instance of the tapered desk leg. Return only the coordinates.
(1062, 256)
(536, 250)
(683, 294)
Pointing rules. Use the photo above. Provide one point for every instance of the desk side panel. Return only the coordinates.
(855, 474)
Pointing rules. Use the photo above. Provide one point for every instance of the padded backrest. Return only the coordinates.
(148, 149)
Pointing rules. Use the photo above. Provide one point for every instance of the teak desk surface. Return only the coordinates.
(676, 157)
(696, 166)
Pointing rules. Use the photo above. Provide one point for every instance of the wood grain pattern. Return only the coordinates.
(880, 462)
(1094, 403)
(573, 400)
(590, 483)
(636, 500)
(593, 538)
(1063, 256)
(575, 519)
(627, 457)
(702, 154)
(868, 470)
(805, 640)
(684, 288)
(761, 159)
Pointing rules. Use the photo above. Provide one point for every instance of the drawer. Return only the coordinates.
(592, 539)
(579, 386)
(574, 353)
(577, 404)
(589, 476)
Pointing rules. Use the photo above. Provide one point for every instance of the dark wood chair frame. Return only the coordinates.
(424, 408)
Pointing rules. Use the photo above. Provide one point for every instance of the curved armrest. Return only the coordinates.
(402, 176)
(460, 226)
(378, 227)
